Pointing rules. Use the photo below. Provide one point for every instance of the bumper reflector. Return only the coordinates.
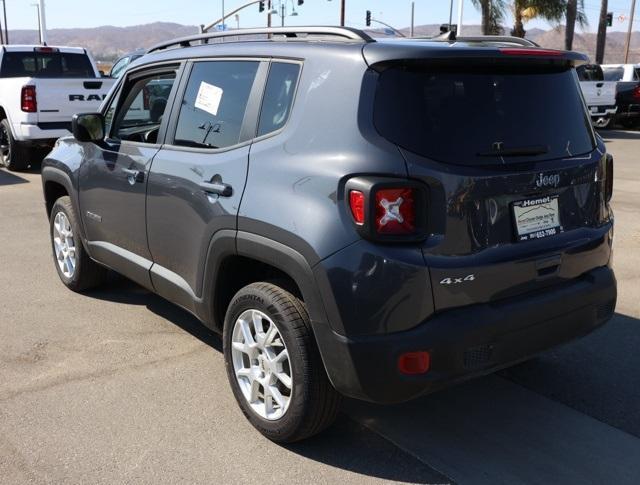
(412, 363)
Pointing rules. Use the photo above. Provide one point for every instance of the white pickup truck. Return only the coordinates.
(41, 88)
(600, 95)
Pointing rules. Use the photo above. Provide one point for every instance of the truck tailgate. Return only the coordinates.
(59, 99)
(599, 93)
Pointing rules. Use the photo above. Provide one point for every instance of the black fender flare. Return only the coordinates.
(58, 175)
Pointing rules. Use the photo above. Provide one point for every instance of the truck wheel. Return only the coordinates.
(12, 156)
(274, 366)
(76, 270)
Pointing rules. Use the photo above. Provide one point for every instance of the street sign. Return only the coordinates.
(221, 27)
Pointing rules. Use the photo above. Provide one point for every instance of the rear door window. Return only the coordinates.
(278, 96)
(214, 104)
(483, 115)
(46, 65)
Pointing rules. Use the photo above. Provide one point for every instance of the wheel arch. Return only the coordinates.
(263, 258)
(55, 184)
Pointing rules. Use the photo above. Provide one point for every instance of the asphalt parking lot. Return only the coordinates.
(119, 386)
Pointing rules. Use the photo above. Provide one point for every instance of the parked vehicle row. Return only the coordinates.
(627, 77)
(41, 88)
(362, 218)
(599, 94)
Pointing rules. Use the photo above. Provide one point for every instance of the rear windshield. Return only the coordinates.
(613, 73)
(590, 72)
(46, 64)
(483, 115)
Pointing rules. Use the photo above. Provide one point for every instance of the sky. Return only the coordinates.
(21, 14)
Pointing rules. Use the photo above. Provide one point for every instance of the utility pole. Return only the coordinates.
(37, 6)
(223, 14)
(6, 26)
(450, 14)
(342, 12)
(413, 14)
(460, 6)
(42, 22)
(628, 45)
(1, 34)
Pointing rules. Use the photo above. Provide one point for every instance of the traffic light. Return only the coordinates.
(261, 7)
(368, 18)
(609, 19)
(300, 2)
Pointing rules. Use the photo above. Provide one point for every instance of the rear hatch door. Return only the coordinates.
(513, 168)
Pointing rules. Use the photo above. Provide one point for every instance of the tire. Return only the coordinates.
(630, 124)
(312, 403)
(12, 155)
(78, 272)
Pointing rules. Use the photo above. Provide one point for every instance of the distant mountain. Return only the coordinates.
(108, 42)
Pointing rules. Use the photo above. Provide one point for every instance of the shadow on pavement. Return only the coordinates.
(8, 178)
(346, 445)
(597, 375)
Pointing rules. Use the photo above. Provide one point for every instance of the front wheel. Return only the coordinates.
(74, 266)
(274, 366)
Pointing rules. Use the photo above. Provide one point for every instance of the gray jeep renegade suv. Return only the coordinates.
(374, 219)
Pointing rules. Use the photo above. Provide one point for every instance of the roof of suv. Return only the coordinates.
(293, 41)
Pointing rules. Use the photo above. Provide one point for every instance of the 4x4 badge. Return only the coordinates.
(457, 281)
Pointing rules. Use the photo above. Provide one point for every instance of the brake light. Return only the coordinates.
(412, 363)
(28, 101)
(46, 50)
(608, 178)
(146, 98)
(516, 51)
(356, 202)
(395, 211)
(636, 93)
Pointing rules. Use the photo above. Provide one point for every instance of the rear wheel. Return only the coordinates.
(274, 366)
(74, 266)
(12, 155)
(630, 124)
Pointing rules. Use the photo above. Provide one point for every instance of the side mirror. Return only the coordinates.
(88, 127)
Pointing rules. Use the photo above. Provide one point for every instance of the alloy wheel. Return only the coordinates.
(5, 146)
(64, 245)
(261, 364)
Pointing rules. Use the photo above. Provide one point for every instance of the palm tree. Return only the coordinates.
(602, 32)
(524, 10)
(493, 12)
(575, 12)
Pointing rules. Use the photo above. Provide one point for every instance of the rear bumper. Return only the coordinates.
(46, 133)
(469, 341)
(599, 111)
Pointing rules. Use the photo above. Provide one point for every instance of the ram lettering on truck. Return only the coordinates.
(41, 88)
(90, 97)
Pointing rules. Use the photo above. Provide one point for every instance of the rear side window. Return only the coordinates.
(590, 72)
(613, 73)
(278, 96)
(46, 65)
(214, 104)
(483, 115)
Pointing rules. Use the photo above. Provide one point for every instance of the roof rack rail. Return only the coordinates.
(499, 38)
(289, 32)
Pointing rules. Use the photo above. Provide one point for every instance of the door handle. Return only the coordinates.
(217, 188)
(133, 176)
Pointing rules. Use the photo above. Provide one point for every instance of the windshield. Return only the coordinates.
(483, 115)
(613, 73)
(46, 65)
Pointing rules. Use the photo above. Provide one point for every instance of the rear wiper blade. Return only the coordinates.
(516, 152)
